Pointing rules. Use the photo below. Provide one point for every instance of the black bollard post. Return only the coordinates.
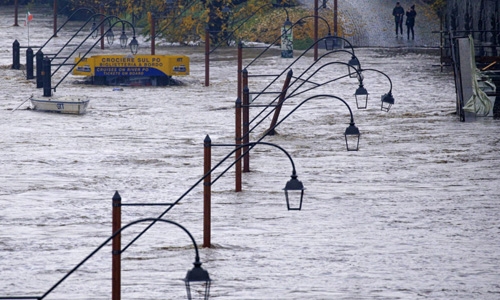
(47, 87)
(16, 55)
(39, 69)
(29, 63)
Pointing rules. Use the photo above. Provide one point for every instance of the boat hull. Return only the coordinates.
(63, 106)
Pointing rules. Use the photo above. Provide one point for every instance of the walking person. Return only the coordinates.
(398, 12)
(410, 22)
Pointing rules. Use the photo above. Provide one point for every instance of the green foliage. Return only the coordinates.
(185, 21)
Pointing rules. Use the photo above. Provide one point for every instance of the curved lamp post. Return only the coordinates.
(331, 42)
(123, 37)
(361, 93)
(387, 100)
(197, 275)
(290, 189)
(294, 189)
(353, 63)
(351, 133)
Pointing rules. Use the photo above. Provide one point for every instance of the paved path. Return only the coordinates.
(369, 23)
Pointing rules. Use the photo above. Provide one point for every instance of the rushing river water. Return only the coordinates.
(413, 215)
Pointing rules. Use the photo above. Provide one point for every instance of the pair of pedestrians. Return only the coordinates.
(398, 12)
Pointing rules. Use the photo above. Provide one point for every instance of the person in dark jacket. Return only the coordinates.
(398, 12)
(410, 22)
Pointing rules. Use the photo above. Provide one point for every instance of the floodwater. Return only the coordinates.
(414, 214)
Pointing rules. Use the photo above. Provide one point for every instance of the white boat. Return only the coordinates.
(63, 105)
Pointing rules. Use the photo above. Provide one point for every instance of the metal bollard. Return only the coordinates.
(29, 63)
(39, 69)
(16, 55)
(47, 85)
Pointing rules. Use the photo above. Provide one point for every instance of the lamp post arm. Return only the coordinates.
(340, 50)
(297, 59)
(380, 72)
(202, 179)
(69, 18)
(293, 94)
(306, 100)
(252, 144)
(90, 49)
(154, 220)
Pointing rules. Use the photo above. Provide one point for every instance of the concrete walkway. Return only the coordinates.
(369, 23)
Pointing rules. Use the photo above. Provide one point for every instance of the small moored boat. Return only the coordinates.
(63, 105)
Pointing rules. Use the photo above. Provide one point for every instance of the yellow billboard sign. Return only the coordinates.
(137, 65)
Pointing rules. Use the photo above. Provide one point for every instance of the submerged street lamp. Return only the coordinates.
(134, 45)
(110, 36)
(352, 137)
(294, 189)
(333, 42)
(292, 186)
(123, 40)
(387, 100)
(93, 30)
(197, 276)
(354, 62)
(361, 95)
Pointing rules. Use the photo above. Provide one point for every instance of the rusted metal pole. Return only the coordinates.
(207, 57)
(153, 33)
(55, 18)
(237, 179)
(282, 97)
(207, 191)
(240, 66)
(315, 30)
(237, 165)
(16, 6)
(116, 248)
(246, 121)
